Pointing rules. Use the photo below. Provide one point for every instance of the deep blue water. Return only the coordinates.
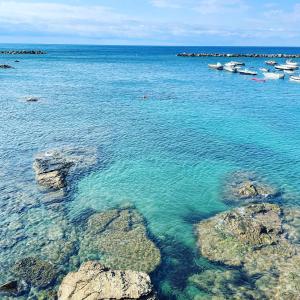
(169, 154)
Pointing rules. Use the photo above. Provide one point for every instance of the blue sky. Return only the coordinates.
(152, 22)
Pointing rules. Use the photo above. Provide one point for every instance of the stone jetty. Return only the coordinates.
(254, 55)
(22, 52)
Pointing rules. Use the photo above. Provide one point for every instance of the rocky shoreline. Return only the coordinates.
(109, 254)
(21, 52)
(253, 55)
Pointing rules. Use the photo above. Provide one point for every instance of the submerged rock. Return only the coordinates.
(247, 187)
(118, 238)
(253, 238)
(34, 271)
(54, 166)
(13, 288)
(6, 67)
(229, 284)
(95, 282)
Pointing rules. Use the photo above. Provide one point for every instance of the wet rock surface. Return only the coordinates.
(253, 55)
(13, 52)
(94, 281)
(54, 166)
(254, 238)
(245, 187)
(118, 238)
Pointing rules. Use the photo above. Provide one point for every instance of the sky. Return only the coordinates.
(151, 22)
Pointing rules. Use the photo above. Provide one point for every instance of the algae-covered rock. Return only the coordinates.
(253, 237)
(229, 236)
(247, 187)
(35, 272)
(95, 282)
(228, 284)
(118, 238)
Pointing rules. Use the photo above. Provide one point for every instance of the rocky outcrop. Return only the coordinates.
(254, 238)
(118, 238)
(229, 236)
(247, 187)
(53, 167)
(93, 281)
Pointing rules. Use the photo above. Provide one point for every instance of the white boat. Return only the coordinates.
(271, 62)
(289, 62)
(246, 72)
(230, 68)
(234, 64)
(273, 75)
(289, 71)
(295, 78)
(217, 66)
(286, 67)
(264, 70)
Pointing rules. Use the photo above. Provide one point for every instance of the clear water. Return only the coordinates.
(169, 154)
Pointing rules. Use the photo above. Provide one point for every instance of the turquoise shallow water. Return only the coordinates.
(168, 154)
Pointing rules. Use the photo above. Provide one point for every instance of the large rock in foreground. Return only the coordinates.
(118, 238)
(230, 236)
(53, 167)
(93, 281)
(256, 239)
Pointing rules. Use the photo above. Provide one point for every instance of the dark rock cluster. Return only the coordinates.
(22, 52)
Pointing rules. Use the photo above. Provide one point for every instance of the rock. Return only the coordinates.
(35, 272)
(22, 52)
(253, 238)
(118, 238)
(224, 285)
(229, 236)
(93, 281)
(6, 67)
(53, 167)
(247, 187)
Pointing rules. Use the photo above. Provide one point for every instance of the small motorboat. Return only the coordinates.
(289, 62)
(247, 72)
(286, 67)
(271, 62)
(235, 63)
(289, 71)
(230, 68)
(217, 66)
(273, 75)
(295, 78)
(264, 70)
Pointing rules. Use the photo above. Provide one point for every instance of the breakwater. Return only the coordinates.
(12, 52)
(256, 55)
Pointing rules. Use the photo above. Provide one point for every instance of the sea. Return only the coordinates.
(169, 133)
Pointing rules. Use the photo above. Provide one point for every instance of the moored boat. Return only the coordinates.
(271, 62)
(273, 75)
(230, 68)
(217, 66)
(264, 70)
(289, 62)
(289, 71)
(295, 78)
(246, 72)
(286, 67)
